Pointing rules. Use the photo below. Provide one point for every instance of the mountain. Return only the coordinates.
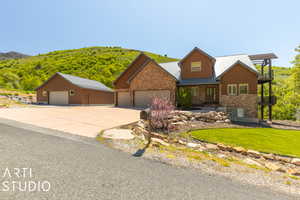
(98, 63)
(12, 55)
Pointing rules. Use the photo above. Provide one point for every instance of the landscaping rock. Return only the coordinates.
(192, 145)
(268, 156)
(272, 166)
(121, 134)
(211, 147)
(239, 149)
(223, 147)
(156, 140)
(295, 161)
(254, 154)
(182, 142)
(249, 161)
(283, 159)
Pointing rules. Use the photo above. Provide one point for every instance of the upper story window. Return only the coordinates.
(232, 89)
(196, 66)
(243, 88)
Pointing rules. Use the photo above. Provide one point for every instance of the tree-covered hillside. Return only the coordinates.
(98, 63)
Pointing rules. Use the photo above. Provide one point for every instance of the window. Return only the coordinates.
(196, 66)
(231, 89)
(243, 88)
(72, 92)
(194, 91)
(44, 93)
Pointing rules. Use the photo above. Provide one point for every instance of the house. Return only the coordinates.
(64, 89)
(227, 81)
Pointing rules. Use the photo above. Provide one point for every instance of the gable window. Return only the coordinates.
(243, 88)
(194, 91)
(196, 66)
(232, 89)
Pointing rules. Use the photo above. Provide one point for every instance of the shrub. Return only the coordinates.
(184, 97)
(160, 111)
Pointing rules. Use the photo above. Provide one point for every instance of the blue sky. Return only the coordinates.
(169, 27)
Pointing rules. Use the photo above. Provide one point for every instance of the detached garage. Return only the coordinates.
(64, 89)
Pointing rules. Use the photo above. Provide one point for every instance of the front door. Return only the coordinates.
(211, 95)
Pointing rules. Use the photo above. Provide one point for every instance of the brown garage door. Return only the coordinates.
(124, 99)
(144, 98)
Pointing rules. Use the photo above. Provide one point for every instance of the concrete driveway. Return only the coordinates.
(80, 120)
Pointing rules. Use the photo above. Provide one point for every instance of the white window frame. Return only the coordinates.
(228, 90)
(196, 66)
(194, 91)
(244, 84)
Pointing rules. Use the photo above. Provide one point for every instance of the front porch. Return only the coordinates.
(203, 95)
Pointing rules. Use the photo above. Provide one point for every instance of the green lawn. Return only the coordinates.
(284, 142)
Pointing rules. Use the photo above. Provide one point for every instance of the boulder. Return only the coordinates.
(283, 159)
(250, 161)
(192, 145)
(223, 147)
(295, 161)
(156, 140)
(268, 156)
(182, 142)
(254, 154)
(211, 147)
(239, 149)
(272, 166)
(121, 134)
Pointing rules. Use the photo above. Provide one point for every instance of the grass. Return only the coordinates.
(269, 140)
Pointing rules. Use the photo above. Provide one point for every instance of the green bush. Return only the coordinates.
(184, 97)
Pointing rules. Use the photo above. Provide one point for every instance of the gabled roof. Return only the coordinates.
(173, 68)
(224, 63)
(81, 82)
(167, 68)
(199, 50)
(138, 57)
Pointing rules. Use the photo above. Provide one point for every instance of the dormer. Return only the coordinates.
(197, 64)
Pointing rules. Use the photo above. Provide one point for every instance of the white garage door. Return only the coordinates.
(59, 98)
(144, 98)
(124, 99)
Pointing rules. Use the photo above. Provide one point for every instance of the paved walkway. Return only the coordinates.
(80, 120)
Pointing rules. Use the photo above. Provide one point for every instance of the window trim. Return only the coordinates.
(244, 84)
(232, 94)
(196, 69)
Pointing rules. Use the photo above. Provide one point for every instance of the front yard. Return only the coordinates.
(269, 140)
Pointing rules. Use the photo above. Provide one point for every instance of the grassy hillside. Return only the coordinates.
(99, 63)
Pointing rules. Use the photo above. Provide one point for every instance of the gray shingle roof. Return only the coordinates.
(85, 83)
(172, 68)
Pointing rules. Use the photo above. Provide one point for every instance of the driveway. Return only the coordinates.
(80, 120)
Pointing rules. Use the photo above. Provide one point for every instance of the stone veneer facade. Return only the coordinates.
(152, 77)
(245, 101)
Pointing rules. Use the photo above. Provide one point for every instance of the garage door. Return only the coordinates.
(124, 99)
(59, 98)
(144, 98)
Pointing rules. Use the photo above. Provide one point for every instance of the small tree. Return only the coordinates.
(160, 111)
(184, 96)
